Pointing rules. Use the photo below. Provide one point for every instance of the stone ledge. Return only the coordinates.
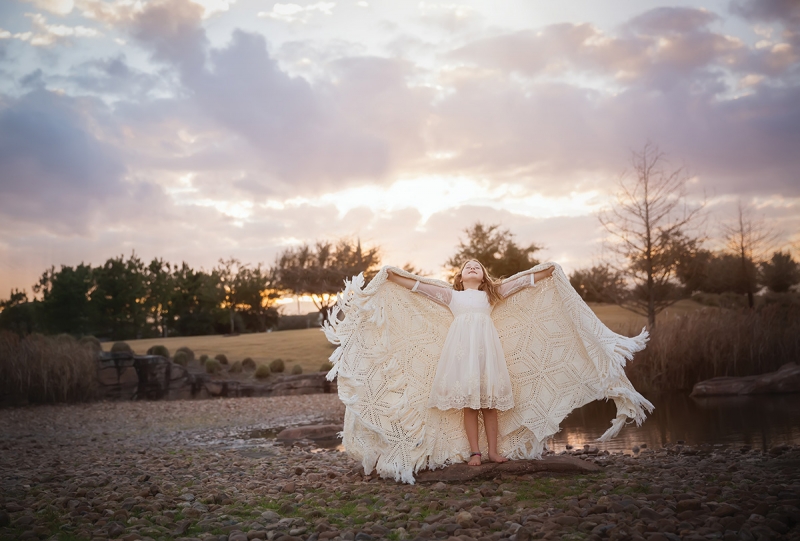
(784, 380)
(548, 464)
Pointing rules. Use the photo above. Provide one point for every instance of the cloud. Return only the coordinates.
(111, 76)
(295, 13)
(347, 129)
(655, 48)
(172, 31)
(58, 7)
(43, 34)
(56, 171)
(786, 11)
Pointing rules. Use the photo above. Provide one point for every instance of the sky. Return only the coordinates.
(194, 131)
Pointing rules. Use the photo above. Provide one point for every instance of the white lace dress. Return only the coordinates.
(472, 371)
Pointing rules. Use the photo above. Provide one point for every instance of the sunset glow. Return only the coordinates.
(195, 130)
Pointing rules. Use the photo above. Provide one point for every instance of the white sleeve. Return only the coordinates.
(439, 294)
(509, 288)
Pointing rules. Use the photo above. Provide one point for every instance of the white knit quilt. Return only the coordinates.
(560, 356)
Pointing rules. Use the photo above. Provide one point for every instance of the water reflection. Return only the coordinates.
(759, 421)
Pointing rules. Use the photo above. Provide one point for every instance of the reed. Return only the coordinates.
(715, 342)
(46, 369)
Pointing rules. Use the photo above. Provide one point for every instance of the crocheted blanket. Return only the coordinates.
(560, 356)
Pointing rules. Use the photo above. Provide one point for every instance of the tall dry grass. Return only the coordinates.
(44, 369)
(715, 342)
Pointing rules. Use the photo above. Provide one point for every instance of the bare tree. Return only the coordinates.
(750, 239)
(648, 224)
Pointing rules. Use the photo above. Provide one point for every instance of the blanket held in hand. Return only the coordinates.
(560, 356)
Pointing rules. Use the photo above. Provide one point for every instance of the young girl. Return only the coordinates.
(472, 373)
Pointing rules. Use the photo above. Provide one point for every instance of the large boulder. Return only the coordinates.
(785, 380)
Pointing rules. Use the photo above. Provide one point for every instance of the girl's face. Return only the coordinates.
(472, 270)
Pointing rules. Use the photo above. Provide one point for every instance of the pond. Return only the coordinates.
(760, 421)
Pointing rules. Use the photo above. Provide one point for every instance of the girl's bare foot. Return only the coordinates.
(475, 460)
(494, 457)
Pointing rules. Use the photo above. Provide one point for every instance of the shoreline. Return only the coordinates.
(174, 470)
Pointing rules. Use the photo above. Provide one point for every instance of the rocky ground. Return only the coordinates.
(202, 470)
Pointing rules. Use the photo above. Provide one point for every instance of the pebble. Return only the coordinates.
(78, 471)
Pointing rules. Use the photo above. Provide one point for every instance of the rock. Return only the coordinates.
(187, 496)
(463, 519)
(463, 472)
(434, 518)
(785, 380)
(725, 510)
(649, 514)
(115, 529)
(288, 487)
(5, 519)
(567, 520)
(523, 534)
(688, 505)
(270, 516)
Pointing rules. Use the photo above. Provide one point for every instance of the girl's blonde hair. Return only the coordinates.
(488, 285)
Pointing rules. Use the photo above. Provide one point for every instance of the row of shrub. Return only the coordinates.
(184, 355)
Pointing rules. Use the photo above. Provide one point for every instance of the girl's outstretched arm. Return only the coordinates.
(442, 295)
(407, 283)
(509, 288)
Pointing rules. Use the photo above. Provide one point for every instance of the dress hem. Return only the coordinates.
(479, 406)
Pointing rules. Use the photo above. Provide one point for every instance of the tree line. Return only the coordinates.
(126, 298)
(654, 256)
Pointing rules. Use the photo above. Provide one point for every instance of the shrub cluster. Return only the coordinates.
(187, 352)
(297, 370)
(181, 358)
(248, 364)
(221, 358)
(92, 343)
(159, 350)
(262, 372)
(121, 347)
(236, 368)
(213, 366)
(277, 365)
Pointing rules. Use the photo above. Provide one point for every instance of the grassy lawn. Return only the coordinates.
(309, 348)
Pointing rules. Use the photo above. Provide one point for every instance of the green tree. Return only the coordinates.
(495, 249)
(65, 299)
(599, 283)
(258, 291)
(320, 272)
(780, 273)
(159, 284)
(230, 273)
(17, 314)
(196, 307)
(119, 298)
